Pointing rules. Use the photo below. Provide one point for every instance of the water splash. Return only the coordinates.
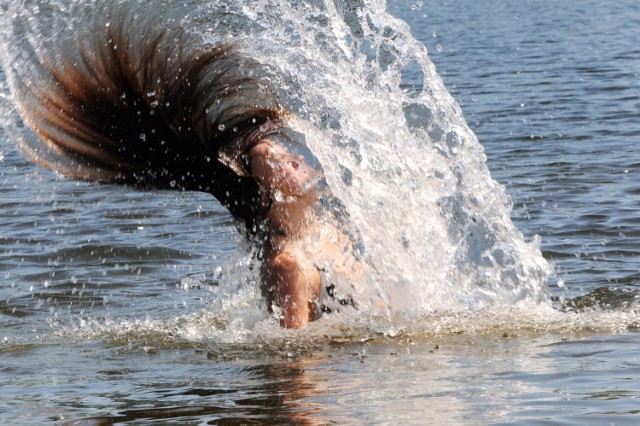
(435, 226)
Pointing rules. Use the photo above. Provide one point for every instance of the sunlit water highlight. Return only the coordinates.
(154, 287)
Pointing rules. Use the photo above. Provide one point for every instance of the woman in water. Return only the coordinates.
(139, 101)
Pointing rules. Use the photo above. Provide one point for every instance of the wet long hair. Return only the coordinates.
(141, 102)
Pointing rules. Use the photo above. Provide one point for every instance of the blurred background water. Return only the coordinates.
(107, 296)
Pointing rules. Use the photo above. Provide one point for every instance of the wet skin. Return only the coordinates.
(300, 241)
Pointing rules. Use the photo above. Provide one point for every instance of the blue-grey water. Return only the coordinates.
(109, 297)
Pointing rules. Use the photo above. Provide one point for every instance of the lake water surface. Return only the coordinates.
(110, 299)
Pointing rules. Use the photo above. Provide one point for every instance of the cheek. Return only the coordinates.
(276, 169)
(296, 178)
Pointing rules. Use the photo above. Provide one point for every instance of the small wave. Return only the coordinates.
(247, 330)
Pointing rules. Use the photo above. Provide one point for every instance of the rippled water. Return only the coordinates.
(553, 97)
(111, 300)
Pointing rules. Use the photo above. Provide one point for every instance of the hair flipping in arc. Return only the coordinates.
(137, 104)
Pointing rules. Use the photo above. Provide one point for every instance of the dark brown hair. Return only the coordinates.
(141, 102)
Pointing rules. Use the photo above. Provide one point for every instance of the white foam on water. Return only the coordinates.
(208, 329)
